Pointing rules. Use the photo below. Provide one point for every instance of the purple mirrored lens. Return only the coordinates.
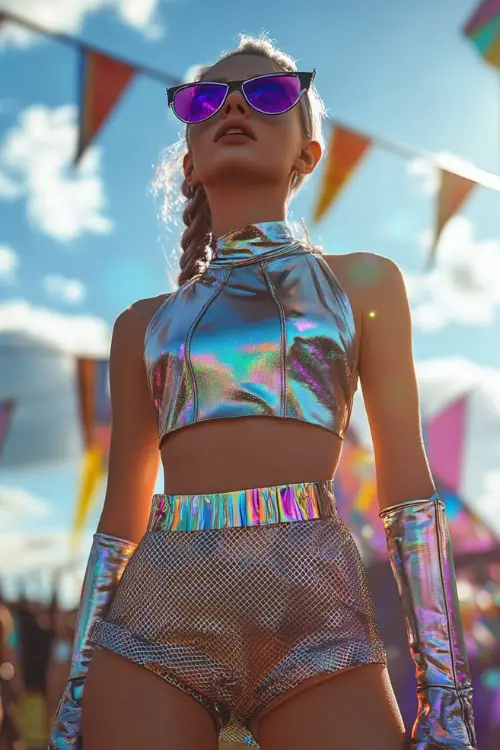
(273, 95)
(199, 101)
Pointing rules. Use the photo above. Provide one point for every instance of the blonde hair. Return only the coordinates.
(196, 215)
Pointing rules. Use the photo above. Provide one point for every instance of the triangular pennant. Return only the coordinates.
(482, 15)
(95, 415)
(93, 471)
(453, 192)
(486, 39)
(86, 398)
(493, 54)
(6, 412)
(94, 400)
(103, 81)
(470, 533)
(345, 152)
(445, 436)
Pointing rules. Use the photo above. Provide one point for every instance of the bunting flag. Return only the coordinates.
(483, 29)
(6, 412)
(453, 192)
(444, 437)
(95, 414)
(103, 80)
(469, 533)
(345, 152)
(356, 491)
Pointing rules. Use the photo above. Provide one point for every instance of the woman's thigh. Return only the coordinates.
(354, 710)
(128, 707)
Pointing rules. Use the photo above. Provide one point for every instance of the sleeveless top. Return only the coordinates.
(266, 330)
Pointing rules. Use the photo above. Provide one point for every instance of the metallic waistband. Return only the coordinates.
(280, 504)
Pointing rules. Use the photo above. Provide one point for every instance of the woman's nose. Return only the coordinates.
(236, 102)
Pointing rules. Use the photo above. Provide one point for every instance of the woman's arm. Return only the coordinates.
(134, 456)
(388, 381)
(414, 518)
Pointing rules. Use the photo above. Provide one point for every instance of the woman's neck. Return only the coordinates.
(232, 209)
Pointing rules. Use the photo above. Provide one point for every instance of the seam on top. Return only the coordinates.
(147, 368)
(189, 337)
(281, 312)
(354, 366)
(293, 248)
(153, 318)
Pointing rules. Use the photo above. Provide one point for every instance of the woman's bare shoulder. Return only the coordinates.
(137, 316)
(365, 276)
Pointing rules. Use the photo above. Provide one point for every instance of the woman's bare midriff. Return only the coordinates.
(248, 452)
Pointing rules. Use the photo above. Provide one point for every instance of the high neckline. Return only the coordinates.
(251, 241)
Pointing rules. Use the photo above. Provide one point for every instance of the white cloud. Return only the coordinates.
(16, 503)
(70, 334)
(24, 552)
(441, 381)
(9, 263)
(427, 171)
(38, 371)
(61, 288)
(36, 162)
(70, 15)
(463, 287)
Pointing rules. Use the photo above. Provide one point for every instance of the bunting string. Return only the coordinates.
(486, 179)
(79, 44)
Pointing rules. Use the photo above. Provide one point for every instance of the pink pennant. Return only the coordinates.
(445, 435)
(484, 13)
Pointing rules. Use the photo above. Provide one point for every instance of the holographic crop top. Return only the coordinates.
(266, 330)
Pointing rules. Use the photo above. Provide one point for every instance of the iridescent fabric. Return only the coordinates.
(266, 330)
(236, 615)
(421, 558)
(108, 557)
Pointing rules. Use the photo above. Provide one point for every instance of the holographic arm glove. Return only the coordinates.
(421, 558)
(108, 558)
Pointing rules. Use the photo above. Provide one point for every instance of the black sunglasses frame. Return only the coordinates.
(305, 80)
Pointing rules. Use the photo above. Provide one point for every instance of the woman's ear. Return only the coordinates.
(189, 171)
(308, 158)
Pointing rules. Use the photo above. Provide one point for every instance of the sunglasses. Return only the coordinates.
(271, 94)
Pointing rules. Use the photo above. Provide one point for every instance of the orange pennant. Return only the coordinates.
(453, 193)
(346, 150)
(103, 81)
(85, 376)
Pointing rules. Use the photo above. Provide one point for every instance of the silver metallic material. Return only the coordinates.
(108, 557)
(265, 330)
(238, 615)
(421, 558)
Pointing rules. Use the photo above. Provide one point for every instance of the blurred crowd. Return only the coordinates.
(35, 650)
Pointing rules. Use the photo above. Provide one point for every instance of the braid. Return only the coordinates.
(197, 234)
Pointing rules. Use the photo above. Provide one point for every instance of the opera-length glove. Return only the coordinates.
(109, 556)
(421, 558)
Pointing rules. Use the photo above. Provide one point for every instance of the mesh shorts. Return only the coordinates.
(236, 615)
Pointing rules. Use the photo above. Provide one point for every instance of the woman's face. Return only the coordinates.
(276, 148)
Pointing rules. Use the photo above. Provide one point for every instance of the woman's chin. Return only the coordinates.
(238, 165)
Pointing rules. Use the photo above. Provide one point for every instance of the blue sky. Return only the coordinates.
(77, 248)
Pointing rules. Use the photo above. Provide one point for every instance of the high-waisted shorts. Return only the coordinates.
(239, 597)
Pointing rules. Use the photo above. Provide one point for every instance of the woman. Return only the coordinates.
(245, 614)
